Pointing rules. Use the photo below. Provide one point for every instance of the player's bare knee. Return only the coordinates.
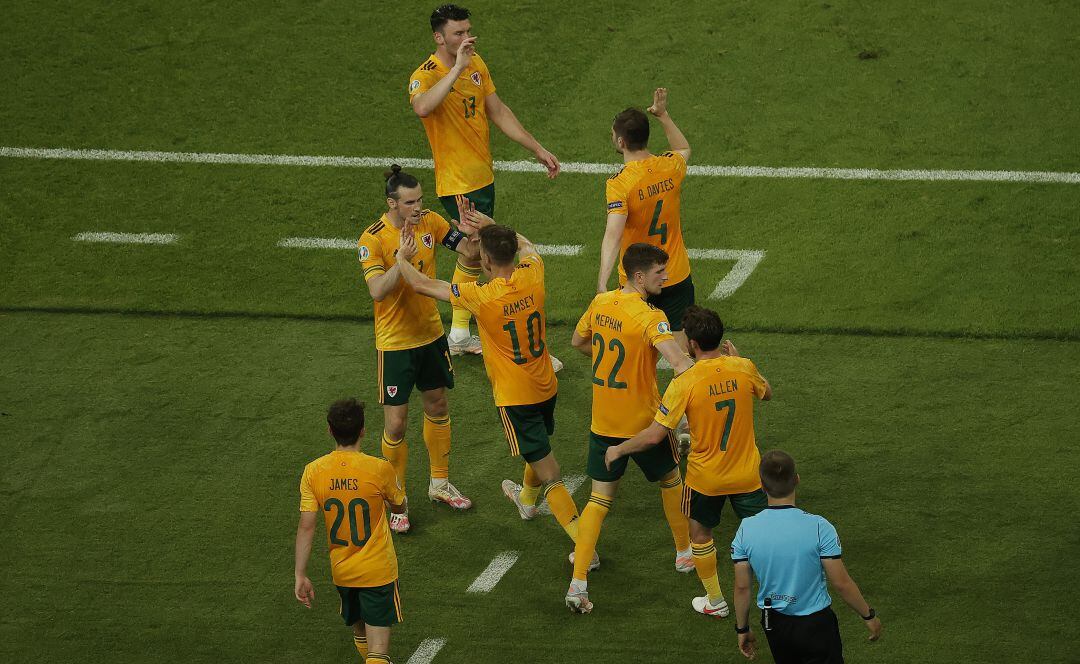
(436, 404)
(699, 534)
(358, 628)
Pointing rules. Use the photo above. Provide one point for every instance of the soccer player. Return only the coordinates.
(353, 491)
(717, 395)
(409, 334)
(643, 201)
(510, 316)
(454, 96)
(623, 334)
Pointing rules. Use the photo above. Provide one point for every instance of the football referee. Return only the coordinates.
(787, 549)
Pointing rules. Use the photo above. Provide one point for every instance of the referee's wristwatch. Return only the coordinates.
(742, 630)
(871, 615)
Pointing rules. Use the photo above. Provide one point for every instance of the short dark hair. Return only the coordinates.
(346, 420)
(499, 243)
(703, 326)
(396, 179)
(641, 257)
(632, 125)
(446, 13)
(777, 472)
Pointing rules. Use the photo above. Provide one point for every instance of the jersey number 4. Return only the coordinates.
(354, 527)
(660, 230)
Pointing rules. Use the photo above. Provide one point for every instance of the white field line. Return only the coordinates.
(559, 249)
(126, 238)
(426, 651)
(341, 243)
(533, 167)
(572, 484)
(495, 571)
(317, 243)
(745, 262)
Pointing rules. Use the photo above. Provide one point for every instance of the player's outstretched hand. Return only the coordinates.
(407, 249)
(748, 645)
(550, 161)
(305, 593)
(464, 208)
(465, 53)
(874, 625)
(729, 349)
(659, 102)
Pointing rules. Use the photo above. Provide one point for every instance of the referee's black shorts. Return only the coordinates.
(812, 639)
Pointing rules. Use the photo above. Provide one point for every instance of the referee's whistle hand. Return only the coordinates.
(874, 625)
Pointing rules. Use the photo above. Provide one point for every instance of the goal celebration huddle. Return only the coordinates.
(648, 320)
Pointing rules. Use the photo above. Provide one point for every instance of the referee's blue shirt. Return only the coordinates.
(784, 545)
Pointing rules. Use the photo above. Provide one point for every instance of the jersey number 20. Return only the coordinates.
(354, 527)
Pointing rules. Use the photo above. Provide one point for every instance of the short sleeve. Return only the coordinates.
(308, 502)
(391, 490)
(738, 548)
(680, 163)
(534, 265)
(756, 379)
(422, 80)
(371, 256)
(674, 402)
(617, 202)
(466, 295)
(657, 329)
(828, 540)
(584, 324)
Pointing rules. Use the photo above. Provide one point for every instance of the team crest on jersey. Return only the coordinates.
(663, 328)
(364, 253)
(477, 79)
(391, 390)
(414, 85)
(428, 241)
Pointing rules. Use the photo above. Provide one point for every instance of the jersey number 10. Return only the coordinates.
(536, 339)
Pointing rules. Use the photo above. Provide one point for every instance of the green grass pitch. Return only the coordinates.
(157, 403)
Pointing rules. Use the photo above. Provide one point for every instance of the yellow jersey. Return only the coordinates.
(649, 193)
(625, 331)
(458, 128)
(513, 331)
(405, 319)
(351, 489)
(717, 396)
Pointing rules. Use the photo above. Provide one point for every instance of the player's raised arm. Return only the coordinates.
(508, 124)
(676, 141)
(426, 102)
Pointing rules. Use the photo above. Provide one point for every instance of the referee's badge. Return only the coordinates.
(428, 241)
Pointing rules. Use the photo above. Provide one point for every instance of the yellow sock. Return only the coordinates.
(463, 274)
(671, 492)
(562, 507)
(530, 487)
(361, 646)
(705, 564)
(592, 518)
(397, 453)
(437, 439)
(378, 658)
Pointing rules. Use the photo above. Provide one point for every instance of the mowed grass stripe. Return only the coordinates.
(785, 172)
(823, 330)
